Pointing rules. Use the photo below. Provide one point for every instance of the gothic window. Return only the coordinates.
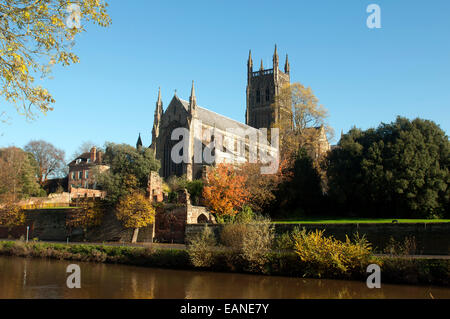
(267, 94)
(258, 96)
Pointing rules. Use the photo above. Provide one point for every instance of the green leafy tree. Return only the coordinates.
(35, 36)
(302, 193)
(129, 170)
(399, 169)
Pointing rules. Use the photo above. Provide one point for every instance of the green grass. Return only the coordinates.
(346, 220)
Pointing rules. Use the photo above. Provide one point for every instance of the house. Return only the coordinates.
(81, 173)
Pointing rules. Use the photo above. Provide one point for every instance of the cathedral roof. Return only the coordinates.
(214, 119)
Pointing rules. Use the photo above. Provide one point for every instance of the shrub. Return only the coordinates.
(195, 189)
(201, 248)
(407, 247)
(286, 241)
(326, 256)
(248, 243)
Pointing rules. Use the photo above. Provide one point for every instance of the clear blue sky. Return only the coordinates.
(363, 76)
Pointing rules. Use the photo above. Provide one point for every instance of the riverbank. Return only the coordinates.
(398, 270)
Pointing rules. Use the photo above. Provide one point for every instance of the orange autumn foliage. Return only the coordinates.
(225, 191)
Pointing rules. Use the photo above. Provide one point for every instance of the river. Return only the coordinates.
(46, 278)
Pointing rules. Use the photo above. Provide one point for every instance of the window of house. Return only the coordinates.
(86, 174)
(78, 161)
(80, 175)
(73, 175)
(88, 160)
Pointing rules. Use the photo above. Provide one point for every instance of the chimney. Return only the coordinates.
(93, 154)
(99, 159)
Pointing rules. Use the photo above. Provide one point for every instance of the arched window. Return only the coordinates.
(267, 94)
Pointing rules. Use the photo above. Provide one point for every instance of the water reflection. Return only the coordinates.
(46, 278)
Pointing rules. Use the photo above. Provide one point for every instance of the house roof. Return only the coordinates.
(85, 156)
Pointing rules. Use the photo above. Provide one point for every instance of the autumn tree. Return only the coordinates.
(262, 187)
(89, 213)
(135, 211)
(18, 175)
(224, 192)
(35, 36)
(308, 115)
(49, 159)
(11, 215)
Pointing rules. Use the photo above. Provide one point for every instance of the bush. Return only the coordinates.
(286, 241)
(195, 189)
(327, 256)
(248, 243)
(201, 248)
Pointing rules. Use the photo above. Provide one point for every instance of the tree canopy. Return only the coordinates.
(50, 160)
(34, 36)
(400, 169)
(18, 175)
(224, 192)
(307, 114)
(129, 170)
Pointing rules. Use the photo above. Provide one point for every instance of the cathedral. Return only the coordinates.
(203, 131)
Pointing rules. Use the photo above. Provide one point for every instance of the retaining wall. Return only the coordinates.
(431, 238)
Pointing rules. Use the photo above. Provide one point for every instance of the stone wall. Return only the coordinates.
(171, 221)
(431, 239)
(50, 225)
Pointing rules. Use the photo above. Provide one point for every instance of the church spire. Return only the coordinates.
(275, 59)
(287, 68)
(250, 61)
(157, 119)
(192, 98)
(139, 142)
(262, 66)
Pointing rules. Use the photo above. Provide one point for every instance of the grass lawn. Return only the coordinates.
(349, 220)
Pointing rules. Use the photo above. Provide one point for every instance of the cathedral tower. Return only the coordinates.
(262, 87)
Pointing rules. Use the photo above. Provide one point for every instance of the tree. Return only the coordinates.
(129, 170)
(11, 215)
(34, 36)
(308, 115)
(400, 169)
(18, 175)
(302, 194)
(262, 187)
(224, 192)
(135, 211)
(89, 213)
(49, 159)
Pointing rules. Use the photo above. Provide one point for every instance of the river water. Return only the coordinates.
(46, 278)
